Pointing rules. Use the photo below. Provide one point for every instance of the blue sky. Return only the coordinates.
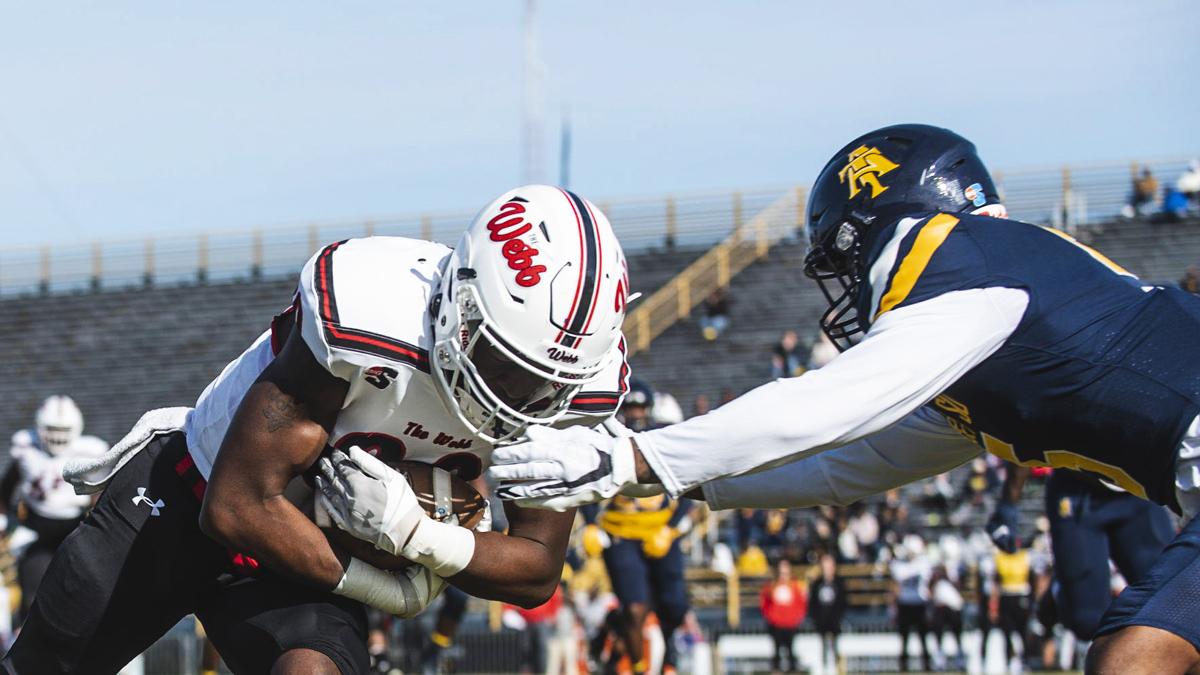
(123, 119)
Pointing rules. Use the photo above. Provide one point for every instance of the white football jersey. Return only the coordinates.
(41, 485)
(362, 308)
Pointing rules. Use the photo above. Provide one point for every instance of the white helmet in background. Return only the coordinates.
(59, 423)
(528, 311)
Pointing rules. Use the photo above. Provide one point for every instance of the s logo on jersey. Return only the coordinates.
(864, 168)
(380, 376)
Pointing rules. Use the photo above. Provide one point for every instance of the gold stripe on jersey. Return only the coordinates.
(931, 236)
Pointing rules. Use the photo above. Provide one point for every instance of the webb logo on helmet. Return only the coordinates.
(506, 227)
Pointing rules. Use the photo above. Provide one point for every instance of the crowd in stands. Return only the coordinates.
(1150, 198)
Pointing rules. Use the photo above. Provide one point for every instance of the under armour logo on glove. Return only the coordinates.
(154, 505)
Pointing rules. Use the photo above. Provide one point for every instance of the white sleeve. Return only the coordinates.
(910, 355)
(921, 445)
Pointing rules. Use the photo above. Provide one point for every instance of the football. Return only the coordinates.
(453, 496)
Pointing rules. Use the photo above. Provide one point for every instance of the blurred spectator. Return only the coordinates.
(748, 528)
(1188, 184)
(784, 602)
(910, 577)
(785, 356)
(753, 563)
(1145, 192)
(727, 395)
(947, 615)
(865, 526)
(1191, 281)
(822, 352)
(938, 492)
(847, 543)
(775, 523)
(981, 482)
(828, 603)
(716, 314)
(701, 405)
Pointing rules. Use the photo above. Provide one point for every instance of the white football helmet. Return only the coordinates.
(528, 311)
(59, 422)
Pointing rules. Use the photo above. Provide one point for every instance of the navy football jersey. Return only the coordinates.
(1102, 374)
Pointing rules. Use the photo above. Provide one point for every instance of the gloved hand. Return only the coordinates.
(560, 469)
(1002, 526)
(404, 593)
(366, 498)
(595, 540)
(660, 542)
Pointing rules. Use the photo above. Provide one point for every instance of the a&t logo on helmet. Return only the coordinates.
(506, 227)
(865, 167)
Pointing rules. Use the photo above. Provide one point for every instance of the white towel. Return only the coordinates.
(89, 476)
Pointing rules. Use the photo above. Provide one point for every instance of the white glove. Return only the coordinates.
(368, 499)
(560, 469)
(405, 593)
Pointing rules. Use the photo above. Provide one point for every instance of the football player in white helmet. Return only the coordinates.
(393, 349)
(59, 424)
(44, 503)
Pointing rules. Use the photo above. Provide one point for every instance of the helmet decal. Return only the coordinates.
(865, 166)
(974, 193)
(519, 255)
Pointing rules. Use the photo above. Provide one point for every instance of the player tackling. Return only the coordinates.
(392, 346)
(963, 333)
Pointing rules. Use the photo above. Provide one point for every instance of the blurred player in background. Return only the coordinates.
(640, 542)
(392, 347)
(1091, 522)
(1012, 597)
(963, 332)
(34, 487)
(911, 574)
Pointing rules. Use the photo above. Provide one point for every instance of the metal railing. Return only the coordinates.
(1066, 197)
(272, 252)
(749, 241)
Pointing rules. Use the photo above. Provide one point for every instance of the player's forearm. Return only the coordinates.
(510, 569)
(278, 536)
(1014, 482)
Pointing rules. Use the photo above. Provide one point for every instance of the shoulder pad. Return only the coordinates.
(366, 299)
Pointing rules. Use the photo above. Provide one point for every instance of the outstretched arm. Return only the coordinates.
(1004, 522)
(920, 446)
(910, 355)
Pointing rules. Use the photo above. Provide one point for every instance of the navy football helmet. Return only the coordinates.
(870, 184)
